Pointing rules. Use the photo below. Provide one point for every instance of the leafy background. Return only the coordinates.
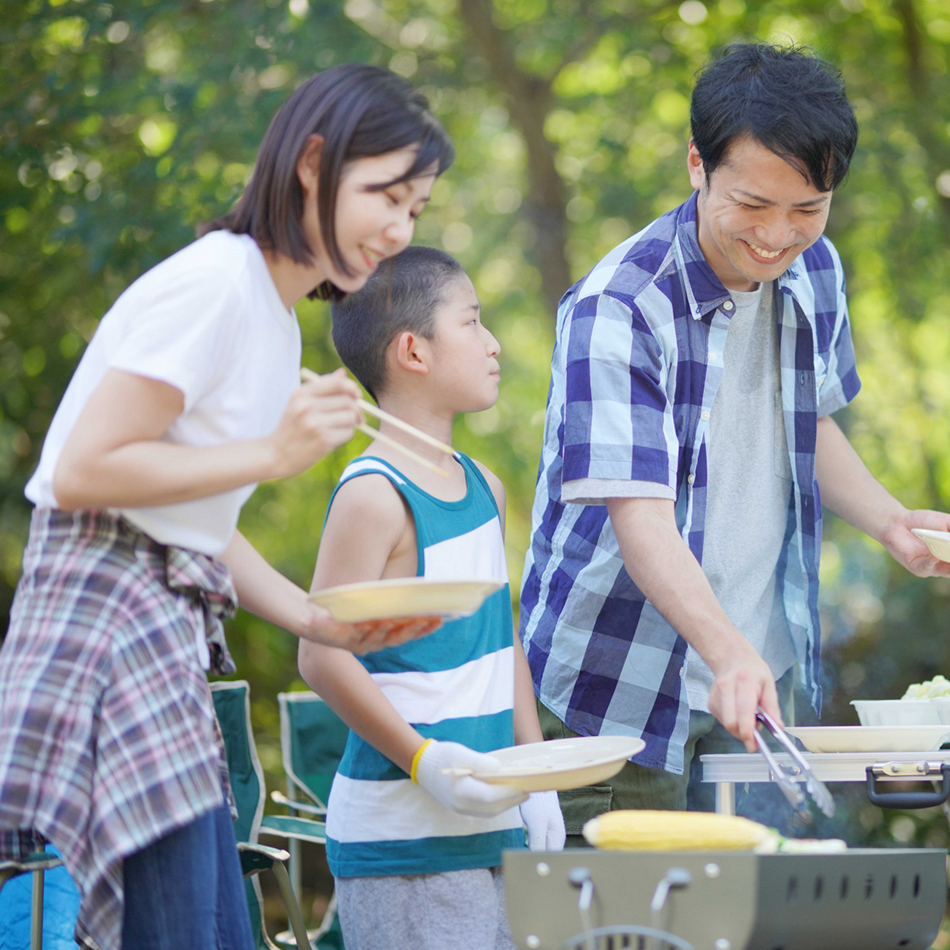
(123, 125)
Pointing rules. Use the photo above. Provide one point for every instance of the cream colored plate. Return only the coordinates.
(871, 738)
(562, 763)
(937, 541)
(404, 597)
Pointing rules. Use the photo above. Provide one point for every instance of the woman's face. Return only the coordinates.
(371, 225)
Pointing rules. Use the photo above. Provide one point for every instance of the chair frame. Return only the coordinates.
(257, 857)
(36, 864)
(300, 798)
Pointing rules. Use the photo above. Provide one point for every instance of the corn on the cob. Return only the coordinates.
(636, 830)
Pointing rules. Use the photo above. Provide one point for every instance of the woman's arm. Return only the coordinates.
(115, 456)
(266, 592)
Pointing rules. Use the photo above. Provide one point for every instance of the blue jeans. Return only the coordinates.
(186, 891)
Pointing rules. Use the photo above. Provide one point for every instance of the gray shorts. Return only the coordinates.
(461, 910)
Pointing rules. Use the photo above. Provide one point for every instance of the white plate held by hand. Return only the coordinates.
(404, 597)
(937, 541)
(871, 738)
(561, 764)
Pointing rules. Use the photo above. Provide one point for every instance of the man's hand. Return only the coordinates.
(743, 683)
(367, 636)
(908, 550)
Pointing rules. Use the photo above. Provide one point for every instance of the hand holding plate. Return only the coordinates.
(368, 635)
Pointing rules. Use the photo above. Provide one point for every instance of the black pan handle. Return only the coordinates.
(909, 799)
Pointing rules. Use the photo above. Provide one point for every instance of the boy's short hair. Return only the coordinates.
(783, 97)
(402, 294)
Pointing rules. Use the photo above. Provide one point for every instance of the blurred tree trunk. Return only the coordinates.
(529, 101)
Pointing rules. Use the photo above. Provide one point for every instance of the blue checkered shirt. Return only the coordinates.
(636, 366)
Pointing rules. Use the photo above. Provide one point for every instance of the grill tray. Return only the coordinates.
(862, 899)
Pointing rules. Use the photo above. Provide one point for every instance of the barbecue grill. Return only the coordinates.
(861, 899)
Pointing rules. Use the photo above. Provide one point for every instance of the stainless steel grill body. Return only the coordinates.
(862, 899)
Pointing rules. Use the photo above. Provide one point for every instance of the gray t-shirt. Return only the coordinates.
(749, 484)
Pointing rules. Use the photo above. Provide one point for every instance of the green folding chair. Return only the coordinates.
(312, 740)
(232, 706)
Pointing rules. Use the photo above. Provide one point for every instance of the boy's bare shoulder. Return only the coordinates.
(369, 496)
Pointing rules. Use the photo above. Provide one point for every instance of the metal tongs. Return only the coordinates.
(791, 789)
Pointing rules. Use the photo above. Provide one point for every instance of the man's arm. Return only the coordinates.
(850, 491)
(661, 564)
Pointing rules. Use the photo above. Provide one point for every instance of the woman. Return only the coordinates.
(185, 398)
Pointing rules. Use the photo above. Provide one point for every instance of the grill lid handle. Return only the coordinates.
(908, 799)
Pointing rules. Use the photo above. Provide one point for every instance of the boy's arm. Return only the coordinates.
(366, 522)
(527, 726)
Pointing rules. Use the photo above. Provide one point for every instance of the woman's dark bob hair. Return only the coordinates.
(782, 97)
(359, 111)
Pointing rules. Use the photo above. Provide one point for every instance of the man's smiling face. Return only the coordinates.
(757, 213)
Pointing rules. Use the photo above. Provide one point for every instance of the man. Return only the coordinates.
(673, 572)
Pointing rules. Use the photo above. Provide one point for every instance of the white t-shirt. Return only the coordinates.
(210, 322)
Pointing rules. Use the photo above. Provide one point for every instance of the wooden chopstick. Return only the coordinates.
(399, 447)
(399, 424)
(308, 374)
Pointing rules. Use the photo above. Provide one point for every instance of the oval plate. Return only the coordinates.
(404, 597)
(560, 764)
(871, 738)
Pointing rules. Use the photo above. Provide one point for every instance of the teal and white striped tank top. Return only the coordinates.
(456, 684)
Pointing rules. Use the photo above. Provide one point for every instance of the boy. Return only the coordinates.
(416, 852)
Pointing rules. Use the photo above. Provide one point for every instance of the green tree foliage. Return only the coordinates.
(124, 125)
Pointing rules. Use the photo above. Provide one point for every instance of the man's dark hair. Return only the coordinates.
(403, 294)
(783, 97)
(360, 111)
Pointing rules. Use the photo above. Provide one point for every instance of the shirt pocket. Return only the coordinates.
(781, 465)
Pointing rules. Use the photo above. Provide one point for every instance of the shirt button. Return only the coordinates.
(715, 356)
(728, 305)
(704, 416)
(691, 478)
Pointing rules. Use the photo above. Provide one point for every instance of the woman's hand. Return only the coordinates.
(369, 635)
(320, 416)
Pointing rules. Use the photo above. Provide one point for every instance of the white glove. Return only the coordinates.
(542, 816)
(462, 793)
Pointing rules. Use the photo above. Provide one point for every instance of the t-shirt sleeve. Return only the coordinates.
(179, 327)
(618, 420)
(841, 382)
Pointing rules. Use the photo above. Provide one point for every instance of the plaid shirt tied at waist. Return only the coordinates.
(636, 366)
(108, 738)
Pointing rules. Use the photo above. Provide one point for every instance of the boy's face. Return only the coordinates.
(756, 213)
(465, 363)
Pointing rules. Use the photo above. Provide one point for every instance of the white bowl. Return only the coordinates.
(903, 712)
(937, 541)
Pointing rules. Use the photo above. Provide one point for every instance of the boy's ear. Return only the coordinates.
(412, 352)
(308, 165)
